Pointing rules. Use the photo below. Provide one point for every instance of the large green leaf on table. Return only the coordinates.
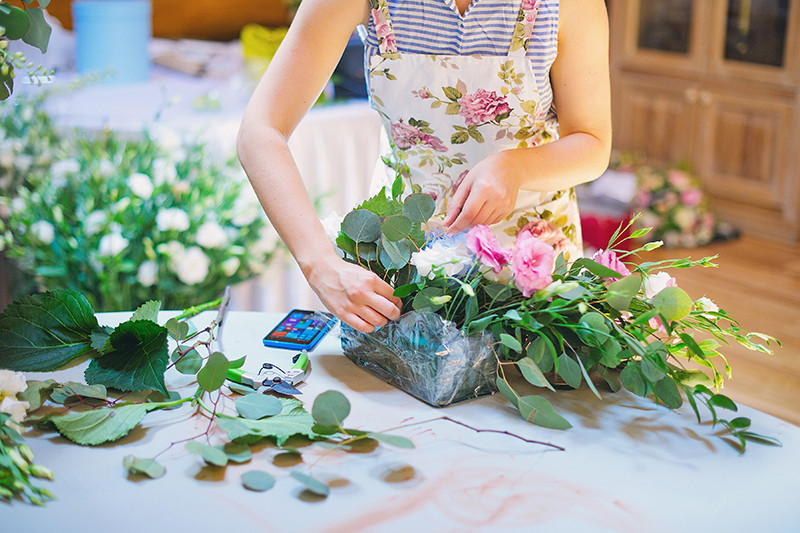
(621, 292)
(38, 34)
(100, 425)
(539, 411)
(280, 427)
(137, 361)
(362, 226)
(146, 467)
(255, 406)
(45, 331)
(330, 409)
(212, 376)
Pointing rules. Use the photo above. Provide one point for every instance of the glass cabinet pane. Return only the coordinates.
(756, 31)
(665, 25)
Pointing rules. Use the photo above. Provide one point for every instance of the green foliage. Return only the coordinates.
(146, 467)
(256, 406)
(17, 468)
(330, 409)
(29, 25)
(258, 480)
(314, 485)
(100, 425)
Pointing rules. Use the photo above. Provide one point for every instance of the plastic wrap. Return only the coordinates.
(426, 357)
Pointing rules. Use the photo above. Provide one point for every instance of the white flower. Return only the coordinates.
(191, 266)
(181, 187)
(685, 218)
(172, 219)
(166, 138)
(44, 231)
(655, 283)
(246, 208)
(23, 162)
(706, 305)
(61, 169)
(106, 168)
(12, 383)
(268, 240)
(211, 235)
(230, 266)
(449, 254)
(95, 221)
(141, 185)
(147, 275)
(332, 224)
(112, 244)
(170, 249)
(164, 172)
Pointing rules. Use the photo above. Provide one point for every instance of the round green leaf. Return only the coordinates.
(667, 391)
(211, 455)
(147, 467)
(673, 303)
(396, 227)
(394, 255)
(419, 207)
(177, 330)
(189, 364)
(362, 225)
(15, 21)
(237, 453)
(213, 375)
(255, 406)
(330, 408)
(314, 485)
(258, 480)
(394, 440)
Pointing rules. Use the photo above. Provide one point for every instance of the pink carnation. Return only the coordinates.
(691, 197)
(609, 259)
(482, 106)
(532, 263)
(483, 243)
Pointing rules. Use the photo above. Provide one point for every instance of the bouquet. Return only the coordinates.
(127, 220)
(561, 324)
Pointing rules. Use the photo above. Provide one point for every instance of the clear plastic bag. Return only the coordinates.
(427, 357)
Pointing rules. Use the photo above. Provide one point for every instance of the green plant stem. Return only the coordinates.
(197, 309)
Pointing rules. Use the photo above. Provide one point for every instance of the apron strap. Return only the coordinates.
(383, 28)
(523, 28)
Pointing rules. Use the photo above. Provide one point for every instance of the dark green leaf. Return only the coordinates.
(480, 324)
(137, 361)
(211, 455)
(190, 363)
(394, 440)
(256, 406)
(147, 311)
(691, 345)
(533, 374)
(146, 467)
(539, 411)
(14, 20)
(238, 363)
(100, 425)
(213, 374)
(569, 369)
(314, 485)
(596, 268)
(258, 480)
(45, 331)
(100, 342)
(330, 408)
(38, 34)
(632, 380)
(672, 303)
(362, 226)
(611, 378)
(740, 422)
(667, 391)
(651, 371)
(396, 227)
(720, 400)
(419, 207)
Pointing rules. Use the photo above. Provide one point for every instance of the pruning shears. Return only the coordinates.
(272, 378)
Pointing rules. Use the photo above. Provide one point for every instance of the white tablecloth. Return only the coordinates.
(627, 466)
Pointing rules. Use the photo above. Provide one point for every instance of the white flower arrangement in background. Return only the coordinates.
(125, 220)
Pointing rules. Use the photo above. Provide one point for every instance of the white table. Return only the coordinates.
(628, 465)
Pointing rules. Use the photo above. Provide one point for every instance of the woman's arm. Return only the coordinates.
(580, 81)
(293, 81)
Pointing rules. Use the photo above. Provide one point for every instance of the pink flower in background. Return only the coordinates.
(483, 243)
(609, 259)
(406, 136)
(543, 230)
(678, 179)
(482, 106)
(532, 263)
(691, 197)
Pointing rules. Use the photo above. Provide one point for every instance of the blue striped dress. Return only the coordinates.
(436, 27)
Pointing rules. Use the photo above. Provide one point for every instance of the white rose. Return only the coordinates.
(268, 240)
(655, 283)
(106, 168)
(230, 266)
(44, 231)
(164, 172)
(450, 255)
(211, 235)
(246, 208)
(112, 244)
(141, 185)
(170, 249)
(61, 169)
(172, 219)
(147, 275)
(192, 266)
(706, 305)
(166, 138)
(11, 384)
(95, 221)
(14, 407)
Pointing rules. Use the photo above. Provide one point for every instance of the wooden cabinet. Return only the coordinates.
(717, 83)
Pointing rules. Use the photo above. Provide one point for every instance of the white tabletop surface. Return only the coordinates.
(627, 465)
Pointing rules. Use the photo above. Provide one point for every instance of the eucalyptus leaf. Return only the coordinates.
(312, 484)
(362, 226)
(394, 255)
(38, 34)
(510, 342)
(137, 361)
(632, 380)
(330, 408)
(396, 227)
(258, 480)
(211, 455)
(255, 406)
(394, 440)
(213, 374)
(569, 369)
(100, 425)
(73, 391)
(720, 400)
(651, 371)
(44, 331)
(533, 374)
(190, 363)
(667, 391)
(237, 453)
(621, 292)
(507, 392)
(419, 207)
(672, 303)
(176, 329)
(146, 467)
(539, 411)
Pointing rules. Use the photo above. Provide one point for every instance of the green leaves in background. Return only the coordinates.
(43, 332)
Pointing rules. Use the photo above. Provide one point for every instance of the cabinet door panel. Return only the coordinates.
(656, 119)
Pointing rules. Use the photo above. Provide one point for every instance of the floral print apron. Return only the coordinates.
(445, 113)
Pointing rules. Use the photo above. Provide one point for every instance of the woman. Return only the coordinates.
(468, 91)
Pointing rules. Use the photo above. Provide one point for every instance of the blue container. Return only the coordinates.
(112, 36)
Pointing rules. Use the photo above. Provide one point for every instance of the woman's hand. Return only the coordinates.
(486, 195)
(355, 295)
